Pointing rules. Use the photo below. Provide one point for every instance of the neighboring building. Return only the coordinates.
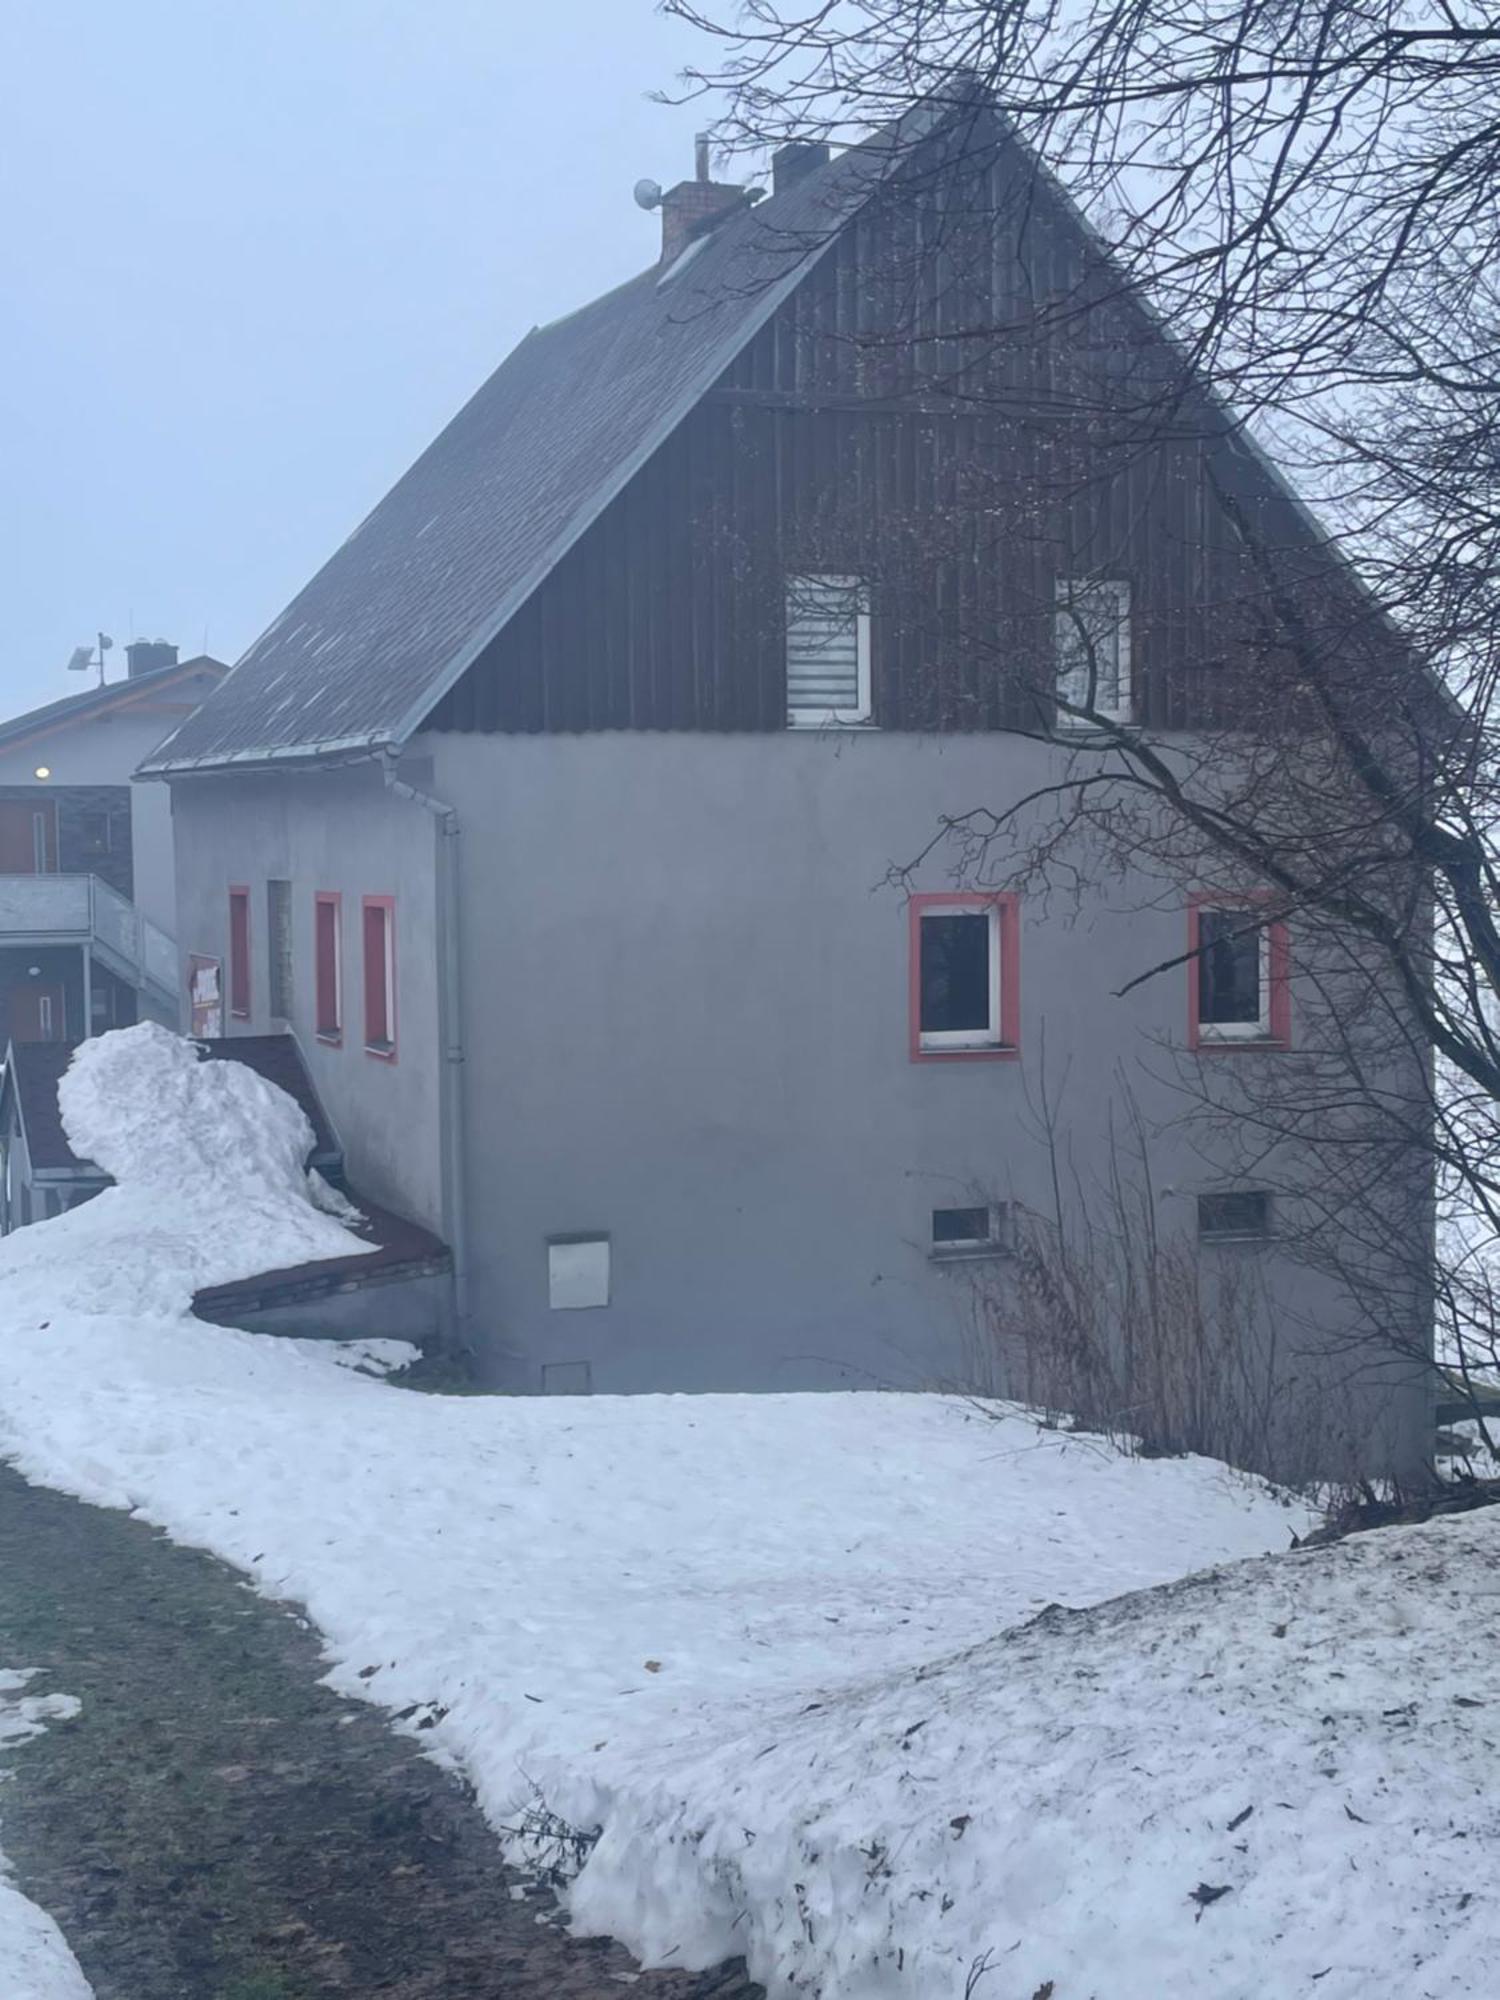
(551, 816)
(87, 886)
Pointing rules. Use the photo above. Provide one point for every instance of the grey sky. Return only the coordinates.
(257, 252)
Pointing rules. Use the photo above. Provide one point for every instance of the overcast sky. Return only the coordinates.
(256, 252)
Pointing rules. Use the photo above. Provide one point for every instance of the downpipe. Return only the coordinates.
(450, 1016)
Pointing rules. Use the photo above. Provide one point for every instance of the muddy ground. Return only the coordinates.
(215, 1825)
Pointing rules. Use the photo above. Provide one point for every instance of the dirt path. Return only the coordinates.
(215, 1825)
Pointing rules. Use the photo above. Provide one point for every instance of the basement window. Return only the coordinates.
(577, 1272)
(1093, 649)
(1243, 1216)
(827, 651)
(971, 1232)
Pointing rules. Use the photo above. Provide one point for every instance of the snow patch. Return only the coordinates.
(880, 1690)
(34, 1956)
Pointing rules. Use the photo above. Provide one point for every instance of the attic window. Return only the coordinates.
(1093, 649)
(827, 651)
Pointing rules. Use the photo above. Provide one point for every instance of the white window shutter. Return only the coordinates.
(827, 650)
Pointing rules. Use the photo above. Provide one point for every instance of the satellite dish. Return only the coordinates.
(647, 194)
(81, 660)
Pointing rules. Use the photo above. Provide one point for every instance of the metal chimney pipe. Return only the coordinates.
(700, 156)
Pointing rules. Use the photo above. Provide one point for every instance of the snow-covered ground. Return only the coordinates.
(793, 1654)
(34, 1959)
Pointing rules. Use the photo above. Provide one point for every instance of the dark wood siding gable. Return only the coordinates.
(959, 404)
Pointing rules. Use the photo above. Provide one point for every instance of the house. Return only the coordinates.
(87, 884)
(397, 1289)
(553, 814)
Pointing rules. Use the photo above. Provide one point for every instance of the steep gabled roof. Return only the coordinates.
(99, 701)
(463, 539)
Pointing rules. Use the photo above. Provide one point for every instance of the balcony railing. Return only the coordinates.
(80, 909)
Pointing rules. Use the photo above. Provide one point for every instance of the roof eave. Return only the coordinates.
(265, 759)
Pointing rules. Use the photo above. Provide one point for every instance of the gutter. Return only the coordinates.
(450, 1024)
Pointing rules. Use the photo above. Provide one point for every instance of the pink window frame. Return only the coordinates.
(332, 1038)
(1008, 911)
(239, 892)
(381, 1051)
(1278, 1033)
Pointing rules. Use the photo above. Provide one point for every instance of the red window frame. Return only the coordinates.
(1008, 913)
(328, 967)
(239, 951)
(378, 939)
(1278, 1033)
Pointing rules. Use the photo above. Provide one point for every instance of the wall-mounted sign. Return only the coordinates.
(205, 998)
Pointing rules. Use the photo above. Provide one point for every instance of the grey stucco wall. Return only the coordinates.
(686, 1001)
(341, 832)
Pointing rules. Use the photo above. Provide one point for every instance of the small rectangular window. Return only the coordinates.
(961, 1231)
(279, 947)
(1240, 1217)
(577, 1272)
(239, 953)
(1237, 960)
(963, 975)
(328, 965)
(1093, 649)
(827, 651)
(380, 975)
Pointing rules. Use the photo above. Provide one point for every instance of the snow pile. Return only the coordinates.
(793, 1654)
(34, 1958)
(210, 1184)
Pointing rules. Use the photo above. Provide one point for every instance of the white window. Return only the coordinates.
(1093, 649)
(1234, 976)
(827, 651)
(577, 1272)
(958, 976)
(971, 1232)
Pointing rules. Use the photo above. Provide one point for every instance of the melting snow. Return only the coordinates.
(793, 1654)
(34, 1957)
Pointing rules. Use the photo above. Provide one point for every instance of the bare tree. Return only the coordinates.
(1305, 194)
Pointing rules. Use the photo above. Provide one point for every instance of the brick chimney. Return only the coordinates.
(693, 207)
(149, 656)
